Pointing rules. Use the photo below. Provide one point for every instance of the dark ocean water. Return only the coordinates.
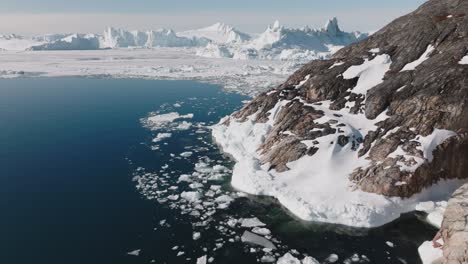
(69, 148)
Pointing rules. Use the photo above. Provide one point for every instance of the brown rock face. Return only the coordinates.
(455, 228)
(432, 96)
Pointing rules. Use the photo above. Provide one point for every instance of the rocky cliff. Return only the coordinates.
(386, 116)
(455, 228)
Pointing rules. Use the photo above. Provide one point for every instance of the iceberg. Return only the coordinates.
(71, 42)
(119, 38)
(218, 33)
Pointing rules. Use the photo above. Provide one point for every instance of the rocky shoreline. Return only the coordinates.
(455, 228)
(367, 135)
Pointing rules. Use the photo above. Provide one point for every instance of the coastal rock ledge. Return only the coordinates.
(455, 228)
(366, 135)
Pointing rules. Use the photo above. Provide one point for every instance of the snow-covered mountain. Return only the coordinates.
(219, 33)
(216, 41)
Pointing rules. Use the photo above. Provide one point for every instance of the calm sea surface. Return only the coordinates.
(70, 149)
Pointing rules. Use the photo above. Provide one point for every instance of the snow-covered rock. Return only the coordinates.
(341, 141)
(464, 60)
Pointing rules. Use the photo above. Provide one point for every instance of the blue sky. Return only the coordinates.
(159, 6)
(46, 16)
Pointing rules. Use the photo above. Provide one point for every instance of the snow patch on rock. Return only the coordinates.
(412, 65)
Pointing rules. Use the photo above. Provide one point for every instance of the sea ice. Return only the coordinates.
(224, 199)
(134, 252)
(261, 231)
(142, 63)
(251, 222)
(310, 260)
(161, 137)
(201, 260)
(332, 258)
(160, 120)
(268, 259)
(190, 196)
(288, 259)
(184, 125)
(186, 154)
(428, 253)
(196, 236)
(252, 238)
(435, 211)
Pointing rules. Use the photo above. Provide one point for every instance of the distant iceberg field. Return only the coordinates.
(216, 41)
(219, 54)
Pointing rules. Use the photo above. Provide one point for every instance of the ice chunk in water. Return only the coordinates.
(249, 237)
(251, 222)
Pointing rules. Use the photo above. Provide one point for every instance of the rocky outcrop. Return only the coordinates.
(405, 80)
(455, 228)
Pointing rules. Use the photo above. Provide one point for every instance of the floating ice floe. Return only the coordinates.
(196, 236)
(161, 136)
(249, 237)
(435, 211)
(332, 258)
(428, 253)
(290, 259)
(251, 222)
(186, 154)
(134, 252)
(184, 125)
(261, 231)
(159, 121)
(201, 260)
(191, 196)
